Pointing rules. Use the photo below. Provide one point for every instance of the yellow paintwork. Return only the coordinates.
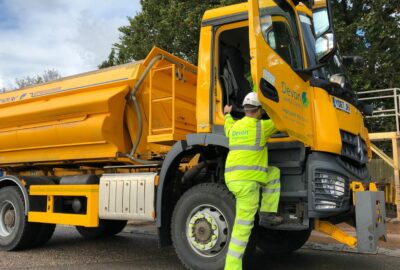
(356, 186)
(390, 194)
(203, 81)
(302, 8)
(319, 4)
(91, 192)
(223, 11)
(334, 232)
(82, 118)
(289, 114)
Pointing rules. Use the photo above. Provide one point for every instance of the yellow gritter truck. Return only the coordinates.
(145, 141)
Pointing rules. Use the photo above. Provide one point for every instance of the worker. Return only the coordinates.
(246, 171)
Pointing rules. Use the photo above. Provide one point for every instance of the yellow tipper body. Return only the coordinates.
(87, 118)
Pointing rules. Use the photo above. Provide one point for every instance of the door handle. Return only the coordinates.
(268, 90)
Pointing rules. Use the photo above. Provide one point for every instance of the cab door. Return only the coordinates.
(276, 51)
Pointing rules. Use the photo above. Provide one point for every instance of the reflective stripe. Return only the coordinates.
(246, 147)
(273, 182)
(235, 254)
(245, 222)
(258, 133)
(246, 168)
(238, 242)
(270, 191)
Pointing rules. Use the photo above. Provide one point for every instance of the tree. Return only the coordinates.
(47, 76)
(371, 29)
(172, 25)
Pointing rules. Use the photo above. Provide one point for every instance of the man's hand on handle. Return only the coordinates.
(227, 109)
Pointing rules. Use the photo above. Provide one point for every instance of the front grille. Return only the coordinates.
(330, 190)
(354, 148)
(359, 171)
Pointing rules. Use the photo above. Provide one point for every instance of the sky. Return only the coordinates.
(70, 36)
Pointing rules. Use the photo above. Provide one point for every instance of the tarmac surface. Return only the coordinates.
(136, 248)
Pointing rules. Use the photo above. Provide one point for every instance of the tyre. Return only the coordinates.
(273, 242)
(105, 228)
(201, 225)
(44, 232)
(15, 230)
(92, 233)
(114, 227)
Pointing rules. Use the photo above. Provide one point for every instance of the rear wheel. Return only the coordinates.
(274, 242)
(44, 232)
(201, 226)
(105, 228)
(15, 230)
(92, 233)
(114, 227)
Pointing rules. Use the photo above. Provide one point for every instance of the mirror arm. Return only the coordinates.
(308, 71)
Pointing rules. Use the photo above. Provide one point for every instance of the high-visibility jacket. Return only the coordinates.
(248, 153)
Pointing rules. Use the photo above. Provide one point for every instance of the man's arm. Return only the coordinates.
(228, 120)
(269, 128)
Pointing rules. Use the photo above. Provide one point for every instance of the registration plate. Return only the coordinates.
(341, 105)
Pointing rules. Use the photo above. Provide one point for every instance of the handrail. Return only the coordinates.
(381, 94)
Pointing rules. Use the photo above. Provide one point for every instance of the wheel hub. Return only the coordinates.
(202, 231)
(207, 231)
(9, 218)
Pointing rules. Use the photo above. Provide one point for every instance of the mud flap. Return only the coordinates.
(370, 220)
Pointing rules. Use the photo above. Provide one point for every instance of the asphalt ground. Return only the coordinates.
(136, 248)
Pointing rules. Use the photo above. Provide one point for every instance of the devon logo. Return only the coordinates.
(240, 133)
(304, 99)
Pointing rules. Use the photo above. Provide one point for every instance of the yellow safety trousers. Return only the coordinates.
(247, 194)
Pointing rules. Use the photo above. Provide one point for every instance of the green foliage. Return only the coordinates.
(371, 29)
(172, 25)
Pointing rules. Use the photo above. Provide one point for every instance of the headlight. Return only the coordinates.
(325, 205)
(330, 190)
(333, 186)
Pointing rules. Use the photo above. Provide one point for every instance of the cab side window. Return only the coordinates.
(279, 28)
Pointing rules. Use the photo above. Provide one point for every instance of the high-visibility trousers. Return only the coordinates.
(247, 194)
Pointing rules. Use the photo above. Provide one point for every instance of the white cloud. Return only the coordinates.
(70, 36)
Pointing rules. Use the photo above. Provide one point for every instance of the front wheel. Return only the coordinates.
(273, 242)
(201, 226)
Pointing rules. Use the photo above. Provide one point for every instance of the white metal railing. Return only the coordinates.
(390, 94)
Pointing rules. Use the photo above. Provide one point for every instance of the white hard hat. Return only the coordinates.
(251, 99)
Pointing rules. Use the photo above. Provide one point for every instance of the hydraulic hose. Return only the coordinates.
(132, 97)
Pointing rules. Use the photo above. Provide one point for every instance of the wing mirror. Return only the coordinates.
(325, 44)
(338, 79)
